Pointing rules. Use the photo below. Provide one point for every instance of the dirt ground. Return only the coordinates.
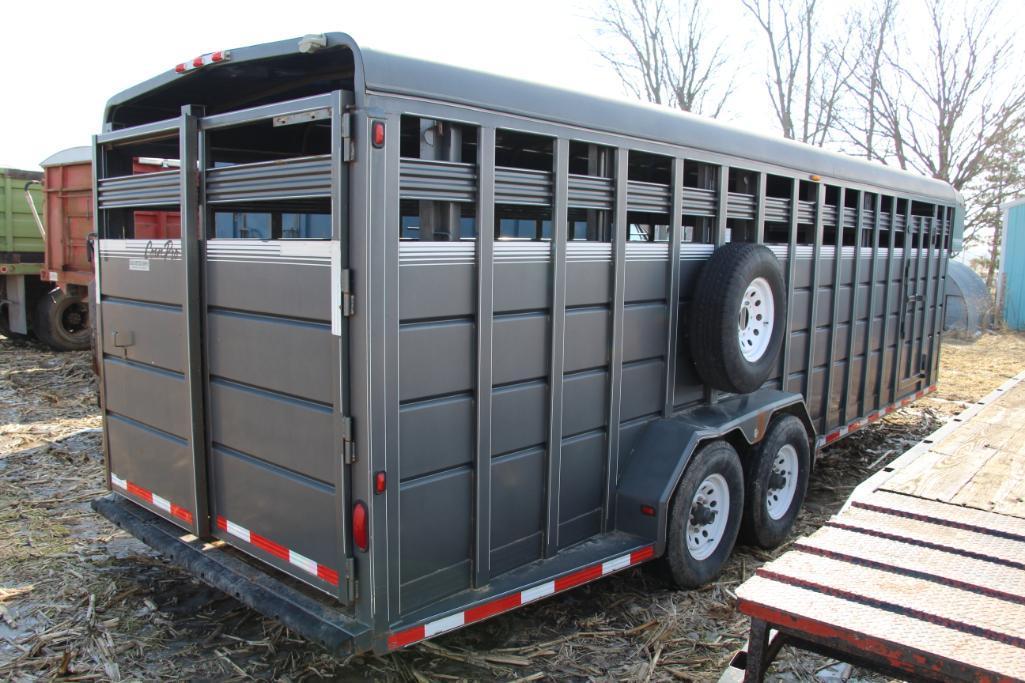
(80, 600)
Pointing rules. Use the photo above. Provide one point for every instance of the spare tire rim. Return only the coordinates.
(782, 486)
(709, 512)
(756, 319)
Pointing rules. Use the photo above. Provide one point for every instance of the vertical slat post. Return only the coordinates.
(898, 355)
(837, 276)
(100, 226)
(673, 282)
(941, 298)
(820, 204)
(560, 202)
(722, 209)
(795, 195)
(188, 152)
(852, 320)
(872, 276)
(931, 294)
(485, 329)
(880, 398)
(339, 338)
(618, 302)
(760, 208)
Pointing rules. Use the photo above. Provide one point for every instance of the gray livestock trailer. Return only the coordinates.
(435, 344)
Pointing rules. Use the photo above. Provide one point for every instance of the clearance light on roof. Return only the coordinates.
(203, 60)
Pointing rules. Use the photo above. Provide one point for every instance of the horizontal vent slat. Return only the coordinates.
(283, 179)
(739, 205)
(700, 202)
(777, 209)
(149, 189)
(649, 197)
(440, 181)
(590, 192)
(523, 186)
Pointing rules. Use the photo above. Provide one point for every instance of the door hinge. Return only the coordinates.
(348, 298)
(351, 585)
(348, 443)
(348, 144)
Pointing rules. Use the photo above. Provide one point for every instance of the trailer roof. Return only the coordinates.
(373, 71)
(71, 155)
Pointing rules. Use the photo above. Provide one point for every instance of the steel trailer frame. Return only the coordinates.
(651, 414)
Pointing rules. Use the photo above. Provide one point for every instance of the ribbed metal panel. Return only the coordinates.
(149, 189)
(589, 192)
(699, 202)
(777, 209)
(868, 218)
(300, 177)
(829, 215)
(523, 186)
(739, 205)
(850, 217)
(442, 181)
(805, 212)
(649, 197)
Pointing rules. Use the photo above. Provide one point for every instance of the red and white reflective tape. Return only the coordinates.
(203, 60)
(151, 498)
(306, 564)
(498, 606)
(874, 416)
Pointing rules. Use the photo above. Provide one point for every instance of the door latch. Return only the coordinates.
(123, 340)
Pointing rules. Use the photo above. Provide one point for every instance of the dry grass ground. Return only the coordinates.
(80, 600)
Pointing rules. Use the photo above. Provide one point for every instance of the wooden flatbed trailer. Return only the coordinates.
(922, 574)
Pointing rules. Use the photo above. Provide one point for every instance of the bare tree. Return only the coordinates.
(872, 29)
(808, 73)
(662, 53)
(1001, 180)
(943, 112)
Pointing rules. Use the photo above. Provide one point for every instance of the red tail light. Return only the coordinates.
(377, 133)
(360, 532)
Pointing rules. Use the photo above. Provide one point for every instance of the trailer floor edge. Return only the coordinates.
(315, 619)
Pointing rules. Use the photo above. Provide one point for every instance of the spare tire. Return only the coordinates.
(738, 317)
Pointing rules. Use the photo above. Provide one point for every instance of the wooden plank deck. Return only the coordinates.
(923, 572)
(980, 465)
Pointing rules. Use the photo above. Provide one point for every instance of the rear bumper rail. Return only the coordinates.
(316, 618)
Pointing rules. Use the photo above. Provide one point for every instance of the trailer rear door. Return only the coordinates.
(223, 353)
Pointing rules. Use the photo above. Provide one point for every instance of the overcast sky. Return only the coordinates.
(62, 60)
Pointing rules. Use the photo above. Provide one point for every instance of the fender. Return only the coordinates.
(664, 449)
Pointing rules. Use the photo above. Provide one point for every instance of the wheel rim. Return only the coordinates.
(782, 482)
(709, 510)
(74, 318)
(755, 319)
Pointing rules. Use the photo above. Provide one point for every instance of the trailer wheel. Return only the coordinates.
(705, 516)
(62, 321)
(776, 481)
(738, 317)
